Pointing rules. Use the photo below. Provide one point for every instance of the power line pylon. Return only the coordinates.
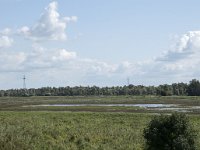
(24, 86)
(24, 82)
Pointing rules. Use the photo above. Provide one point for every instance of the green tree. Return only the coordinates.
(194, 88)
(169, 133)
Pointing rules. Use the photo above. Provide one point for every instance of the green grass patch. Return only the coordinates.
(74, 131)
(53, 130)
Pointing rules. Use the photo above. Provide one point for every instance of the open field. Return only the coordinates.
(25, 124)
(34, 103)
(78, 130)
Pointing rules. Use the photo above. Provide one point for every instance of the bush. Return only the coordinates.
(169, 133)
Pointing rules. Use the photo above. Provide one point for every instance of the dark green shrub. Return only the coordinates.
(169, 132)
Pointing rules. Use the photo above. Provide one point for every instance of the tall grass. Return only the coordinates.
(52, 130)
(74, 131)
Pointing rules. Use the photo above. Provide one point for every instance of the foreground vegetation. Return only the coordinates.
(108, 128)
(51, 130)
(65, 130)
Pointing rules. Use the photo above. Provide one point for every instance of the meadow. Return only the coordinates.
(29, 103)
(64, 130)
(75, 131)
(77, 128)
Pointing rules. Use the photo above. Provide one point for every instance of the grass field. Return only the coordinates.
(65, 130)
(77, 128)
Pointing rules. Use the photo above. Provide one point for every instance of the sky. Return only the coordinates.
(98, 42)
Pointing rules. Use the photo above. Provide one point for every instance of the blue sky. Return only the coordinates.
(101, 42)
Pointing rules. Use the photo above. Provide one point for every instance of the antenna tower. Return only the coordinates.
(24, 82)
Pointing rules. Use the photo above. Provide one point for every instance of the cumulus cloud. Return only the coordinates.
(5, 41)
(100, 68)
(181, 63)
(6, 31)
(186, 54)
(61, 59)
(63, 54)
(12, 62)
(50, 25)
(186, 46)
(42, 58)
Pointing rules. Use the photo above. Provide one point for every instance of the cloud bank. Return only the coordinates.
(178, 64)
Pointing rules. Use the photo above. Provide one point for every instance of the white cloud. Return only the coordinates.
(187, 46)
(185, 56)
(5, 41)
(60, 59)
(12, 62)
(71, 19)
(50, 25)
(101, 68)
(25, 31)
(42, 58)
(64, 55)
(174, 65)
(6, 31)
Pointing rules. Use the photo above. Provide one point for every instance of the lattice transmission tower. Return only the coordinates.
(24, 82)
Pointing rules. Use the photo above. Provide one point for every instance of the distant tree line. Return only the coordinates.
(179, 89)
